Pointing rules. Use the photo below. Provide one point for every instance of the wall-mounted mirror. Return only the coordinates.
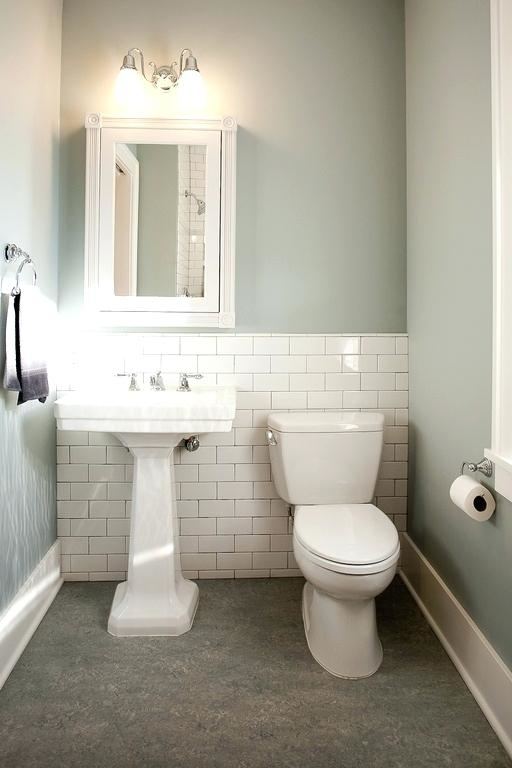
(160, 212)
(159, 219)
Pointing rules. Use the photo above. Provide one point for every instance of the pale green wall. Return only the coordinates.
(158, 220)
(450, 301)
(29, 114)
(318, 90)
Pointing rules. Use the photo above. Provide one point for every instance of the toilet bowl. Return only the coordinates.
(326, 465)
(339, 597)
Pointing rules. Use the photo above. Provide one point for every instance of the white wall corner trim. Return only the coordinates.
(501, 90)
(22, 617)
(484, 672)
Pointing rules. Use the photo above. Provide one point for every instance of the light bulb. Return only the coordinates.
(191, 91)
(128, 86)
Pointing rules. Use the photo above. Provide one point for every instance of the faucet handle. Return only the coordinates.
(134, 384)
(184, 377)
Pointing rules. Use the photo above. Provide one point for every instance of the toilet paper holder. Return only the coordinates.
(484, 466)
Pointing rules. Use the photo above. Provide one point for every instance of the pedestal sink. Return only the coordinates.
(155, 599)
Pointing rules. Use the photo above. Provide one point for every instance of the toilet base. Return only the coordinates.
(341, 634)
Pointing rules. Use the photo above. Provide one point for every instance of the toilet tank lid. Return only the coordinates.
(314, 421)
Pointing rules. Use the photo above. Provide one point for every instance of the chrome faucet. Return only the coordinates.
(184, 383)
(156, 382)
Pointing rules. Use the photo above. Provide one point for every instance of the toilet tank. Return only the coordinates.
(325, 458)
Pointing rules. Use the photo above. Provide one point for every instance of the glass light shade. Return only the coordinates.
(128, 86)
(191, 91)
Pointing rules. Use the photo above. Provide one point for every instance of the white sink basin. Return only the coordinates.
(200, 410)
(155, 599)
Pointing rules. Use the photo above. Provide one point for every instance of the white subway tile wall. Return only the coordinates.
(232, 522)
(191, 191)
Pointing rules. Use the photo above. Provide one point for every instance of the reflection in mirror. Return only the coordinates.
(160, 212)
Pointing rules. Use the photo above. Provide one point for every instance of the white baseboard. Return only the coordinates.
(22, 617)
(484, 672)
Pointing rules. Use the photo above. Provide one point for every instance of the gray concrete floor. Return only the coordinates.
(239, 691)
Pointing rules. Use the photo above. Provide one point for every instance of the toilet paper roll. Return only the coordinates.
(473, 498)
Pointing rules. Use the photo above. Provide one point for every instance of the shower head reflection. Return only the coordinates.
(201, 205)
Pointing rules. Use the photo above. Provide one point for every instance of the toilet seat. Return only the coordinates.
(347, 538)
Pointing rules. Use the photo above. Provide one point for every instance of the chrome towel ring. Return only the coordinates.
(12, 253)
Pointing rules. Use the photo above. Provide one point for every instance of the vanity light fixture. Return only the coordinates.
(164, 78)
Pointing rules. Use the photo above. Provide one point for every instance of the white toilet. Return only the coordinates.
(326, 465)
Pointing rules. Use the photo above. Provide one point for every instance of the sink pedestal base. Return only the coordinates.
(130, 617)
(155, 599)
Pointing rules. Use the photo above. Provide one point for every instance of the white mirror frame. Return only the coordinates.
(152, 311)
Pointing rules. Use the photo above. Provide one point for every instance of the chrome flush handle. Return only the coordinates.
(271, 438)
